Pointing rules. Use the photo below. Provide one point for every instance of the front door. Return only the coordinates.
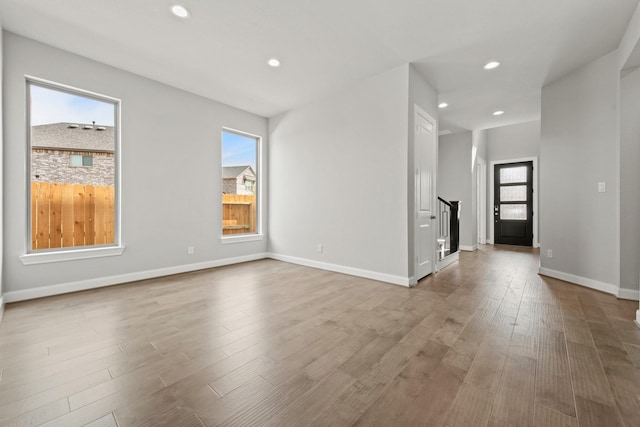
(513, 205)
(424, 158)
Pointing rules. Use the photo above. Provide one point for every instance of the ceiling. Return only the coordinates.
(324, 46)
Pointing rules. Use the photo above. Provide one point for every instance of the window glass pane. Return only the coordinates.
(75, 160)
(239, 183)
(514, 193)
(515, 174)
(61, 121)
(513, 212)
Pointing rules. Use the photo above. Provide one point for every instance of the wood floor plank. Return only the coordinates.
(515, 398)
(553, 376)
(485, 341)
(587, 374)
(550, 418)
(471, 408)
(595, 414)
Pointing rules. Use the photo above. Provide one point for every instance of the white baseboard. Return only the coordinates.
(1, 307)
(82, 285)
(632, 294)
(489, 241)
(368, 274)
(638, 318)
(468, 248)
(454, 257)
(578, 280)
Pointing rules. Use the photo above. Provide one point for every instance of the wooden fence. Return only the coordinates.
(238, 214)
(66, 215)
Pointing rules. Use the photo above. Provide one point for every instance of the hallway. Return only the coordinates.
(484, 342)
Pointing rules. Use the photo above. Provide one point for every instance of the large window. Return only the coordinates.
(73, 168)
(240, 162)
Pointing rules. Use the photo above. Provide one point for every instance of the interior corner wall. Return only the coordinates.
(337, 174)
(171, 174)
(422, 94)
(1, 177)
(579, 148)
(479, 150)
(455, 179)
(629, 180)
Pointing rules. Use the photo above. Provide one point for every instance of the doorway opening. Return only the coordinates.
(513, 203)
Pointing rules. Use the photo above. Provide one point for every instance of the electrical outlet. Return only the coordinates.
(190, 250)
(320, 249)
(549, 253)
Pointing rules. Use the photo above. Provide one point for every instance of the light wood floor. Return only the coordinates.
(484, 342)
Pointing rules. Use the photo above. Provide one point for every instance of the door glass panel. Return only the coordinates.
(511, 175)
(513, 212)
(514, 193)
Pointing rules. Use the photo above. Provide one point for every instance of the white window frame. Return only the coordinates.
(258, 235)
(42, 256)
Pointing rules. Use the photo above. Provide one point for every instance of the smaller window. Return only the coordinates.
(77, 160)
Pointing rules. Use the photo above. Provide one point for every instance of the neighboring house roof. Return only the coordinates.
(232, 172)
(73, 136)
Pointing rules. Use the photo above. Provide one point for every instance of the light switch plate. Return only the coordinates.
(602, 187)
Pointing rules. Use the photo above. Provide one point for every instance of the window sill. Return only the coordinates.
(241, 238)
(70, 255)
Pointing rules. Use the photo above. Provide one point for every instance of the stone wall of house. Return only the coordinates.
(54, 166)
(229, 186)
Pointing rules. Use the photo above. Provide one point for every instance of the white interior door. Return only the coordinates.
(425, 160)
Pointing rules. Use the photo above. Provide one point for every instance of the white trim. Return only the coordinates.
(70, 255)
(579, 280)
(238, 238)
(630, 294)
(368, 274)
(481, 199)
(448, 260)
(83, 285)
(489, 241)
(1, 307)
(536, 241)
(638, 317)
(260, 176)
(468, 248)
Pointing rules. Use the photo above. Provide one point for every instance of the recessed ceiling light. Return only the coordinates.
(180, 11)
(491, 65)
(273, 62)
(498, 113)
(443, 105)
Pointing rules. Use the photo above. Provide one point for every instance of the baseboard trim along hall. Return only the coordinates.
(632, 294)
(1, 307)
(590, 283)
(367, 274)
(638, 318)
(468, 248)
(100, 282)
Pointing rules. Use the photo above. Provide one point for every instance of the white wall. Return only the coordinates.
(513, 141)
(629, 180)
(455, 180)
(578, 149)
(1, 182)
(338, 177)
(171, 160)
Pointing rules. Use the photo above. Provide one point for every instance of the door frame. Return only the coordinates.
(481, 201)
(417, 111)
(536, 243)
